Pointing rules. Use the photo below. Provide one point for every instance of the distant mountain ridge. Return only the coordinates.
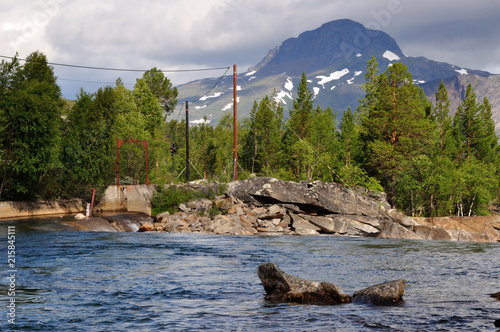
(334, 58)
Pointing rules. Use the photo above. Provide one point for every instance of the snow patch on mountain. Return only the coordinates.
(461, 71)
(215, 95)
(200, 107)
(230, 105)
(289, 84)
(280, 97)
(390, 56)
(333, 76)
(316, 91)
(356, 73)
(200, 121)
(250, 73)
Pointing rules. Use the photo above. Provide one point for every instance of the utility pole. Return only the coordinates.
(235, 124)
(187, 141)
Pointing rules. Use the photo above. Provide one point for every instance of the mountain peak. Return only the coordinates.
(335, 43)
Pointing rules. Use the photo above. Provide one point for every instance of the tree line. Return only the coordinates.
(429, 162)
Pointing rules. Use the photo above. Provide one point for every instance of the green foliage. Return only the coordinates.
(429, 163)
(168, 199)
(162, 89)
(30, 110)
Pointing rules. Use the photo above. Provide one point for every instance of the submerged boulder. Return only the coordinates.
(282, 287)
(128, 222)
(388, 293)
(91, 225)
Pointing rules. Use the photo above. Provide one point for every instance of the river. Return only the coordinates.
(86, 281)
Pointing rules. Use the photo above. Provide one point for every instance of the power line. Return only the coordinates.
(84, 81)
(213, 86)
(118, 69)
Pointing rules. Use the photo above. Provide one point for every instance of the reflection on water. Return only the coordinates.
(87, 281)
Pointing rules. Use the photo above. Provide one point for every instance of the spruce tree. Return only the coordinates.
(443, 120)
(298, 128)
(467, 123)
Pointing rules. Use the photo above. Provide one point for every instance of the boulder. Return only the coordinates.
(432, 233)
(496, 296)
(282, 287)
(80, 216)
(303, 226)
(388, 293)
(392, 230)
(147, 227)
(91, 225)
(128, 222)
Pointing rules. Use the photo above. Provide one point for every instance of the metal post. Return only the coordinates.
(235, 124)
(187, 141)
(117, 169)
(92, 203)
(145, 143)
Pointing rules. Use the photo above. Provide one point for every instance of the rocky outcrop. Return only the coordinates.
(282, 287)
(474, 229)
(268, 206)
(388, 293)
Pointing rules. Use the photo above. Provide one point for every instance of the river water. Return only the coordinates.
(86, 281)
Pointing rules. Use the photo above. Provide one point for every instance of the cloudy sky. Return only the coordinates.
(193, 34)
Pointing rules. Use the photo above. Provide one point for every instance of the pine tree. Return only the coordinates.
(162, 89)
(263, 139)
(397, 127)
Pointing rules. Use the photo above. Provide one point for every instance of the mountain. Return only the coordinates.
(334, 58)
(457, 86)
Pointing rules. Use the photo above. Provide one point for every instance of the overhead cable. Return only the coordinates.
(119, 69)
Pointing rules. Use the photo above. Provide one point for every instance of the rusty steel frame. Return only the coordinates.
(119, 144)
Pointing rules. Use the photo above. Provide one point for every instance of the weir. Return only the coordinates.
(127, 198)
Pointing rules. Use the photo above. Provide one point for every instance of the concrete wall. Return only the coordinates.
(127, 199)
(11, 210)
(115, 199)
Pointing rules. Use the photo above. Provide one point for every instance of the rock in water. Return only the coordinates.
(282, 287)
(496, 295)
(388, 293)
(497, 323)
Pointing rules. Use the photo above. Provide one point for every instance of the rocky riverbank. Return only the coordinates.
(268, 206)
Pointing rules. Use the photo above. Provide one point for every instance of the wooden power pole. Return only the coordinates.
(235, 124)
(187, 141)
